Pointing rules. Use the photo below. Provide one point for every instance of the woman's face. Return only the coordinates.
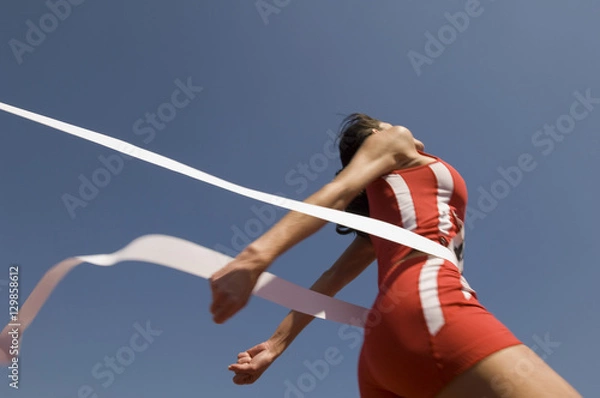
(404, 132)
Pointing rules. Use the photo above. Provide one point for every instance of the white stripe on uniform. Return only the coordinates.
(428, 292)
(404, 199)
(445, 188)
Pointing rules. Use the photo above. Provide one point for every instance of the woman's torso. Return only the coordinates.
(425, 199)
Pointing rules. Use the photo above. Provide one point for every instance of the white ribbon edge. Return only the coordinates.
(269, 286)
(185, 256)
(371, 226)
(193, 259)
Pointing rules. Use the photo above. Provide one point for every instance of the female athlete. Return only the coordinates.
(430, 336)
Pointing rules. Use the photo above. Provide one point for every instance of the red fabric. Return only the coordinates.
(401, 357)
(424, 194)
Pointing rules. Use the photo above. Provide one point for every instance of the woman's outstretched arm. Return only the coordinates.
(254, 362)
(233, 284)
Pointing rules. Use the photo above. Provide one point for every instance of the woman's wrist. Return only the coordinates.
(277, 346)
(257, 259)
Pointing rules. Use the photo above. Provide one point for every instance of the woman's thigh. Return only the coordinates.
(513, 372)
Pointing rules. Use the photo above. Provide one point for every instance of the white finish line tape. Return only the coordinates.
(167, 250)
(193, 259)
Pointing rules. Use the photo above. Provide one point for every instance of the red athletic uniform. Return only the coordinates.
(426, 326)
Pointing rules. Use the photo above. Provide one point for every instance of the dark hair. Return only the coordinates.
(354, 130)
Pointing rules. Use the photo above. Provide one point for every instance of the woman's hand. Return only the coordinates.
(253, 363)
(232, 285)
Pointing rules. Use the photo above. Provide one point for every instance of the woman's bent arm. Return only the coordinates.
(233, 284)
(255, 361)
(350, 265)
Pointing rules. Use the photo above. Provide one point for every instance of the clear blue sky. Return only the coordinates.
(270, 92)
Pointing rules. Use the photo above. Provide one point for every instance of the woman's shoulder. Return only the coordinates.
(427, 161)
(436, 159)
(429, 155)
(424, 161)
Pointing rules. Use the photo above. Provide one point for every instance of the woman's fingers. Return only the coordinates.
(244, 360)
(243, 363)
(224, 306)
(257, 349)
(251, 364)
(241, 367)
(243, 378)
(240, 378)
(231, 288)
